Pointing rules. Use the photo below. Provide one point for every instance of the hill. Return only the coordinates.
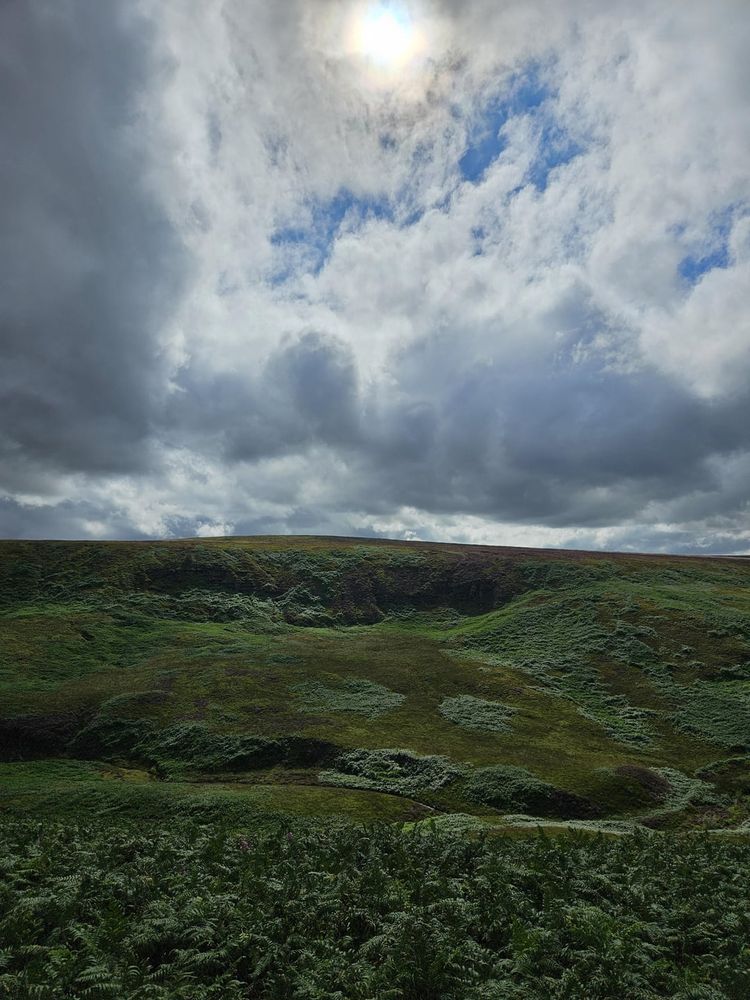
(375, 679)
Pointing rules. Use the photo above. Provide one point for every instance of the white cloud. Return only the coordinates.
(449, 314)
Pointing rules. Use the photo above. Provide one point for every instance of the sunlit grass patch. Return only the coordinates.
(477, 713)
(362, 697)
(458, 823)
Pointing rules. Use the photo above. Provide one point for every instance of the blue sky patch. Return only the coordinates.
(693, 268)
(714, 252)
(310, 243)
(555, 149)
(484, 149)
(527, 93)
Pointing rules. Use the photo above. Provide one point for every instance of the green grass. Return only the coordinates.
(477, 713)
(515, 790)
(70, 789)
(196, 738)
(359, 696)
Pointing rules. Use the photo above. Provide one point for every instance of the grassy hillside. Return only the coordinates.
(318, 676)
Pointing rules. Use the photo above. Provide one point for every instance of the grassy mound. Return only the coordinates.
(192, 746)
(516, 790)
(399, 771)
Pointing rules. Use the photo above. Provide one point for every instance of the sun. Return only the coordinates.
(386, 35)
(388, 43)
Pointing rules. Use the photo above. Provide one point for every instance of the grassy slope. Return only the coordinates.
(613, 668)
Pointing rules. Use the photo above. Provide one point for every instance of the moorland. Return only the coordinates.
(325, 767)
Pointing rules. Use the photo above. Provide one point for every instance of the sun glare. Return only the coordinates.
(386, 35)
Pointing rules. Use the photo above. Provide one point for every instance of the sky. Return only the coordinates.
(471, 271)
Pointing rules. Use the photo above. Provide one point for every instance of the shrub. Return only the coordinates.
(476, 713)
(111, 738)
(398, 771)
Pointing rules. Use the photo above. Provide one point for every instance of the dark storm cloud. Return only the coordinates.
(544, 443)
(65, 520)
(317, 377)
(306, 393)
(559, 446)
(89, 265)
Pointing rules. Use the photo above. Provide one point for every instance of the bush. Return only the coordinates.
(188, 909)
(399, 771)
(111, 738)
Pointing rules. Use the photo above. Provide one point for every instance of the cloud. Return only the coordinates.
(252, 285)
(90, 262)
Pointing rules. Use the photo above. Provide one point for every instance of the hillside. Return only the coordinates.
(372, 679)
